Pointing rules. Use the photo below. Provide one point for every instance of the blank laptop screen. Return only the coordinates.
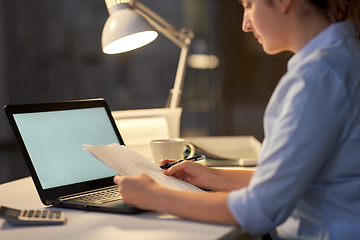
(54, 142)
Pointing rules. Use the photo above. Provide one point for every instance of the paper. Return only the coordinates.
(127, 162)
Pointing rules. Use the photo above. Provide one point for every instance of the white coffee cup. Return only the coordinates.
(172, 148)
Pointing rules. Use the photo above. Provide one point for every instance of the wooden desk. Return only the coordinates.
(88, 225)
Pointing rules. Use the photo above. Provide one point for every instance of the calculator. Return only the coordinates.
(32, 217)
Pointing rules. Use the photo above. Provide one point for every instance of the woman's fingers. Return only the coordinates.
(166, 161)
(117, 179)
(177, 168)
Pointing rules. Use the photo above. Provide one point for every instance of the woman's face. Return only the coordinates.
(264, 19)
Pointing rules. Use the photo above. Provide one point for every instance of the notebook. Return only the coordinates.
(51, 138)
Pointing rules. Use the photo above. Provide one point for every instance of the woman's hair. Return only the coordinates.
(340, 10)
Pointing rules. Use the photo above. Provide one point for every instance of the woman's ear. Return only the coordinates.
(284, 5)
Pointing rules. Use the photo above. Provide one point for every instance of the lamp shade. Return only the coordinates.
(125, 30)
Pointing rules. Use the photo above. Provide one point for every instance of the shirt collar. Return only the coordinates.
(335, 32)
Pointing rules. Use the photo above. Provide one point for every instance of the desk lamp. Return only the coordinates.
(132, 25)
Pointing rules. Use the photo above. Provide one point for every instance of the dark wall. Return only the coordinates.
(248, 75)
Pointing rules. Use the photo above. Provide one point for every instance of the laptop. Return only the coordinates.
(50, 136)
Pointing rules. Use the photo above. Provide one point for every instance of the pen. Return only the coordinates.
(193, 159)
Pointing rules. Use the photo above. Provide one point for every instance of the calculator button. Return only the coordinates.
(44, 214)
(24, 213)
(31, 213)
(58, 214)
(37, 213)
(51, 214)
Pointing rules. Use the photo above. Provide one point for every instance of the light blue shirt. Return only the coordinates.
(307, 183)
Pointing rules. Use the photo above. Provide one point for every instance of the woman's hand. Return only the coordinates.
(208, 178)
(190, 172)
(140, 191)
(143, 192)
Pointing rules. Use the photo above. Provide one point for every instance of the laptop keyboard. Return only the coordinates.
(99, 197)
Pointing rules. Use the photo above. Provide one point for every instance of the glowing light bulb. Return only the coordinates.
(130, 42)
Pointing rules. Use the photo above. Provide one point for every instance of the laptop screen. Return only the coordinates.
(54, 142)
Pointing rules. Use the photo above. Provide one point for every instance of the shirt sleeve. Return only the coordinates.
(303, 123)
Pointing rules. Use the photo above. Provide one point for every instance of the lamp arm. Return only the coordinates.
(151, 14)
(182, 38)
(175, 92)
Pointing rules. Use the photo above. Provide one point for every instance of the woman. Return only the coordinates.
(307, 183)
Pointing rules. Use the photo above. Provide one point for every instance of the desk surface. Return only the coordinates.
(88, 225)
